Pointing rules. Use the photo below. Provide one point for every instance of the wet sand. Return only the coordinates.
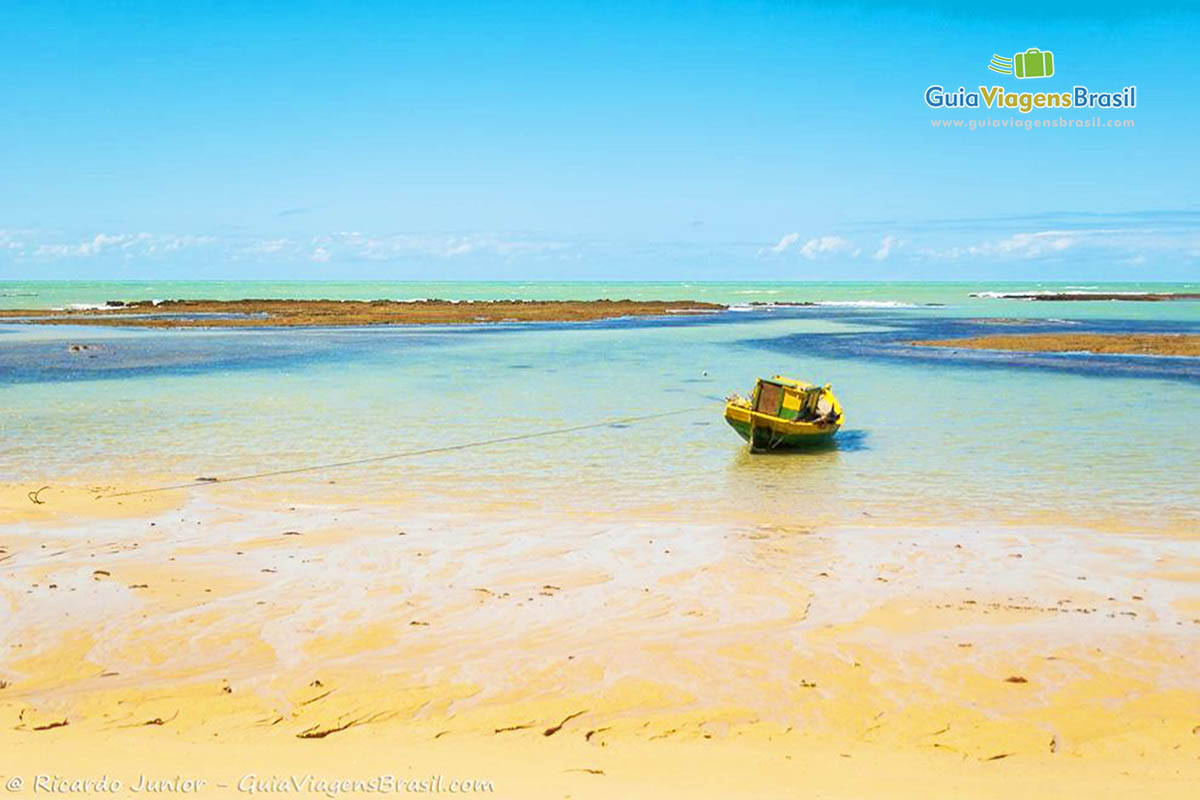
(1104, 343)
(297, 313)
(223, 633)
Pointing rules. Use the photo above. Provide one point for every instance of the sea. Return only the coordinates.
(542, 417)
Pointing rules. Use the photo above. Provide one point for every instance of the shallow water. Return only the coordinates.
(928, 438)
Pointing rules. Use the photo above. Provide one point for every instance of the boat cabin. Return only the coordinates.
(791, 400)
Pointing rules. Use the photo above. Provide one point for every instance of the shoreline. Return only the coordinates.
(1150, 344)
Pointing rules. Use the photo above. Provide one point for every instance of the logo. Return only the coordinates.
(1033, 63)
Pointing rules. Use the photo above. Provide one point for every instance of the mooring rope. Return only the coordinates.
(409, 453)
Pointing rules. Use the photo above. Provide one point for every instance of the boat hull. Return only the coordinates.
(765, 432)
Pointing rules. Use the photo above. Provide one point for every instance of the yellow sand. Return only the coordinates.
(589, 657)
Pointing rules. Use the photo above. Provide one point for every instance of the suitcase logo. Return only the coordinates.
(1033, 63)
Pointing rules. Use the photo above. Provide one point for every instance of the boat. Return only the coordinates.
(785, 413)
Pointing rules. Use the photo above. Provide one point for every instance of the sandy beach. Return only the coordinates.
(280, 639)
(599, 401)
(376, 577)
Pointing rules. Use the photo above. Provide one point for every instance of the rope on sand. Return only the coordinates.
(408, 453)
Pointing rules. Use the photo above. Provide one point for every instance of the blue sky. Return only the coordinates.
(772, 140)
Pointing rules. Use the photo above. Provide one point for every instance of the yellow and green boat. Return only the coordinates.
(785, 413)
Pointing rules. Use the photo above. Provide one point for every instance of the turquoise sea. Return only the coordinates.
(931, 437)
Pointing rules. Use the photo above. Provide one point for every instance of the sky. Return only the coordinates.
(620, 141)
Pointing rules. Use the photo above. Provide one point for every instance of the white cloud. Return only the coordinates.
(787, 241)
(1053, 243)
(1033, 245)
(811, 249)
(339, 246)
(171, 244)
(270, 246)
(90, 247)
(353, 245)
(825, 245)
(12, 240)
(125, 244)
(1005, 240)
(886, 246)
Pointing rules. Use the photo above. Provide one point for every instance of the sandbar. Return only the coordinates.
(310, 313)
(1149, 344)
